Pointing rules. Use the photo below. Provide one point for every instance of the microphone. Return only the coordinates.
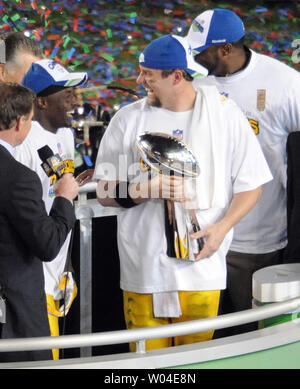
(51, 163)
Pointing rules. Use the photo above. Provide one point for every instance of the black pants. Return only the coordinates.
(238, 294)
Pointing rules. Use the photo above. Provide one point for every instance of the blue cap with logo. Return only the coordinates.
(48, 73)
(171, 52)
(214, 27)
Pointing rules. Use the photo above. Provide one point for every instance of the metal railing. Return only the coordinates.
(142, 334)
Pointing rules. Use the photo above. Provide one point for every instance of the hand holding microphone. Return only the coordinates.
(65, 185)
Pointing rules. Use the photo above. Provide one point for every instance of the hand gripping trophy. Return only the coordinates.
(168, 155)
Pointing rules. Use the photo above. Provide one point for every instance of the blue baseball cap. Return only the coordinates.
(171, 52)
(48, 73)
(214, 27)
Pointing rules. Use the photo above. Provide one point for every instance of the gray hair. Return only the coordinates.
(16, 42)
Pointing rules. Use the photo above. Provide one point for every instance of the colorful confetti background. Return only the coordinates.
(105, 37)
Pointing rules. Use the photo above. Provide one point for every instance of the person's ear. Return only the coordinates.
(3, 72)
(178, 76)
(226, 49)
(18, 124)
(41, 103)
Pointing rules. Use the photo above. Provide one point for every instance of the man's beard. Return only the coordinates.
(154, 101)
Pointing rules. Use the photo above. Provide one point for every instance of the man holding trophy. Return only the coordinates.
(185, 167)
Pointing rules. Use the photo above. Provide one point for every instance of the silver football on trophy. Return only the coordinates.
(167, 153)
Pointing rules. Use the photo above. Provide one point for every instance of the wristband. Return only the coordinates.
(125, 201)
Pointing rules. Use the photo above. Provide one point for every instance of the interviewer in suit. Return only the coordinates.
(27, 233)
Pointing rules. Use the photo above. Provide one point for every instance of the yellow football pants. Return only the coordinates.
(138, 312)
(53, 321)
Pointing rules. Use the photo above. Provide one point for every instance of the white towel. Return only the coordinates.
(205, 141)
(166, 304)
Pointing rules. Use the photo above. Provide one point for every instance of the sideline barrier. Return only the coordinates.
(269, 338)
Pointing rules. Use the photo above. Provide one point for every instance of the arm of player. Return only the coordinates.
(85, 177)
(214, 234)
(159, 187)
(106, 193)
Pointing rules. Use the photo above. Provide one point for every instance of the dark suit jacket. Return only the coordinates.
(292, 251)
(28, 236)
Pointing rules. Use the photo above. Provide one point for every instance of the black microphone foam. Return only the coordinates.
(45, 152)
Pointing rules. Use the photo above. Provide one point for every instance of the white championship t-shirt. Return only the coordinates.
(268, 92)
(145, 267)
(61, 143)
